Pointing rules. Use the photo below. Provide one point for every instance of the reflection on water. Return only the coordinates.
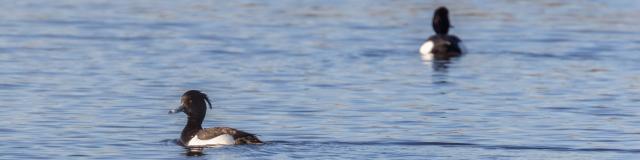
(440, 65)
(320, 80)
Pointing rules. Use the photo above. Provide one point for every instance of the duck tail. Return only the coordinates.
(252, 139)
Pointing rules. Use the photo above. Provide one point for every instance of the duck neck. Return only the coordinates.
(191, 129)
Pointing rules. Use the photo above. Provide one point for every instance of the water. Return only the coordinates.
(320, 79)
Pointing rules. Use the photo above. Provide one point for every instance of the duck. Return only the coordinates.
(441, 46)
(193, 135)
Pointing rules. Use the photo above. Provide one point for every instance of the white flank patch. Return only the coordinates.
(425, 51)
(224, 139)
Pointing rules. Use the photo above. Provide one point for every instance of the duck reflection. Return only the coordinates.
(440, 65)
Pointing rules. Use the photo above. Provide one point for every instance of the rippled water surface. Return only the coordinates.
(321, 79)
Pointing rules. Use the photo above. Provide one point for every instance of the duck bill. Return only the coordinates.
(179, 109)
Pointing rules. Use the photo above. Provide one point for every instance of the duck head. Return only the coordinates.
(441, 22)
(194, 104)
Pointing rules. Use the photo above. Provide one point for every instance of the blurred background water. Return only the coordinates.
(321, 79)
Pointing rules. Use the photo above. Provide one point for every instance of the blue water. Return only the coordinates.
(321, 79)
